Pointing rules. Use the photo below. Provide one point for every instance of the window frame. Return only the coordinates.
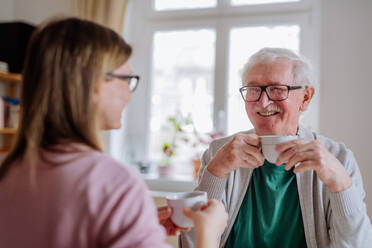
(142, 21)
(224, 8)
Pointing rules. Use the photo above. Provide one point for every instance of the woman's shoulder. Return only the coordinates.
(91, 170)
(104, 182)
(102, 167)
(101, 159)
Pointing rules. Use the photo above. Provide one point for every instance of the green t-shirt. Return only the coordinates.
(270, 214)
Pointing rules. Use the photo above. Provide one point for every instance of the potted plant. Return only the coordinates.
(183, 138)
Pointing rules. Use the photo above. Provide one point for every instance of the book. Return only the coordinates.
(9, 112)
(2, 113)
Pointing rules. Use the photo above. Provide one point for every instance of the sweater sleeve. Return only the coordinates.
(209, 183)
(350, 225)
(127, 217)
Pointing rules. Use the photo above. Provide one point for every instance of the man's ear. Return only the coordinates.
(309, 93)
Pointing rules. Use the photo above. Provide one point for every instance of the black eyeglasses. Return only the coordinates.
(277, 92)
(132, 80)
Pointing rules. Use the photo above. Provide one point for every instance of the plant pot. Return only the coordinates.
(166, 170)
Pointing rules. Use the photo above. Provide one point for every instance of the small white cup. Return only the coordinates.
(179, 201)
(268, 144)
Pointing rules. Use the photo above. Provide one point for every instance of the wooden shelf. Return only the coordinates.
(10, 77)
(8, 130)
(11, 89)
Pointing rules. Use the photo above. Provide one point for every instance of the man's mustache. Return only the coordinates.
(270, 108)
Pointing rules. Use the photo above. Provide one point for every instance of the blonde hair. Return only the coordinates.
(66, 60)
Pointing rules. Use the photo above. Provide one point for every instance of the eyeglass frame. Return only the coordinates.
(263, 88)
(122, 76)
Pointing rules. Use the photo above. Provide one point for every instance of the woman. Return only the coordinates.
(57, 188)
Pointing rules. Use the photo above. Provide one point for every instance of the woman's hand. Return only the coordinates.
(164, 214)
(209, 223)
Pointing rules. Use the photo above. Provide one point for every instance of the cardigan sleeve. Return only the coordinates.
(349, 223)
(209, 183)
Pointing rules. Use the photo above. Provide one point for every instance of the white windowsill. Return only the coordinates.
(161, 186)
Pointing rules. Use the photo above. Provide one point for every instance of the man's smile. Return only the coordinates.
(268, 113)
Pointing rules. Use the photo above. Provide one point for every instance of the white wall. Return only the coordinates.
(346, 83)
(6, 10)
(34, 11)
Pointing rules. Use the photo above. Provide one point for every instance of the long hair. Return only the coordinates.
(65, 61)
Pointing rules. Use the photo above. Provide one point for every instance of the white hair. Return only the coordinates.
(302, 72)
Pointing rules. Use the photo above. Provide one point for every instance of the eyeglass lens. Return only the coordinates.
(275, 92)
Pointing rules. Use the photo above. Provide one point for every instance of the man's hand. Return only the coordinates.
(164, 214)
(312, 155)
(243, 150)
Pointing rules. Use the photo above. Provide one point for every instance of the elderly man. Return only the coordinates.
(312, 196)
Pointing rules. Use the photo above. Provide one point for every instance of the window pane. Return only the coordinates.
(182, 87)
(251, 2)
(183, 4)
(243, 43)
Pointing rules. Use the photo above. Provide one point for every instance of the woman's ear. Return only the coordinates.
(309, 93)
(96, 93)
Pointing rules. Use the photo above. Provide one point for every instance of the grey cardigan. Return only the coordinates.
(330, 219)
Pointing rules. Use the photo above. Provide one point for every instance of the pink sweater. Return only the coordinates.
(88, 200)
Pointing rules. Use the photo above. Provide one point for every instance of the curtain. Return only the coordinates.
(109, 13)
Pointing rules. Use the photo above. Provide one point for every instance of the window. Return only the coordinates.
(190, 56)
(251, 2)
(287, 36)
(182, 76)
(183, 4)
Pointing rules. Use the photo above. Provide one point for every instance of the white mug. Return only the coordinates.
(181, 200)
(268, 144)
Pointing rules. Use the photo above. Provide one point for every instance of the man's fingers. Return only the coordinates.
(305, 166)
(254, 152)
(292, 150)
(299, 157)
(287, 145)
(251, 139)
(249, 161)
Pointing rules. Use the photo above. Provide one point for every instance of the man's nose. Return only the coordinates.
(264, 100)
